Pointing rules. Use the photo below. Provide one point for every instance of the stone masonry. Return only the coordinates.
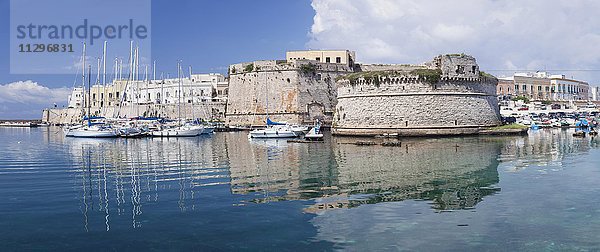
(444, 97)
(295, 91)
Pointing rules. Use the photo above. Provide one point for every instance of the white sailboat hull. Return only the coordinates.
(179, 132)
(272, 133)
(91, 133)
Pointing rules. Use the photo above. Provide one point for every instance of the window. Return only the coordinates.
(117, 94)
(517, 87)
(318, 58)
(524, 87)
(338, 59)
(539, 88)
(327, 59)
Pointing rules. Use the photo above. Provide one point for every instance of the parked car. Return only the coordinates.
(523, 109)
(555, 106)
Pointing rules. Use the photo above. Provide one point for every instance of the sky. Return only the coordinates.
(508, 36)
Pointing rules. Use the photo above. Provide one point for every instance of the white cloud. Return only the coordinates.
(26, 99)
(539, 34)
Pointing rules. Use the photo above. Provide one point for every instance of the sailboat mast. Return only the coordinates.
(130, 60)
(137, 63)
(137, 84)
(83, 74)
(103, 76)
(115, 70)
(179, 93)
(89, 88)
(267, 95)
(147, 84)
(104, 64)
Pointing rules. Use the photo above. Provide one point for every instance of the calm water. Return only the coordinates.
(537, 193)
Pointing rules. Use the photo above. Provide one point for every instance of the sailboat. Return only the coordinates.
(183, 129)
(273, 129)
(93, 129)
(132, 128)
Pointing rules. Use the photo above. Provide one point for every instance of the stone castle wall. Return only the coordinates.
(296, 92)
(209, 110)
(400, 99)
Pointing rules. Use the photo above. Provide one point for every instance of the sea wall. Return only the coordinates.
(214, 111)
(293, 91)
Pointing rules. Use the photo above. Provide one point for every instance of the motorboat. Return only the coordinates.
(300, 129)
(314, 134)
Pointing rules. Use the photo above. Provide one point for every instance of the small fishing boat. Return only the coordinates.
(314, 134)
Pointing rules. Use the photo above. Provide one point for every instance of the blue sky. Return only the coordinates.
(507, 36)
(209, 35)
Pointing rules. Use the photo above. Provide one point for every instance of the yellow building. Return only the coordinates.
(345, 57)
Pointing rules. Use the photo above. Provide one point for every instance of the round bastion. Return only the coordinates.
(447, 96)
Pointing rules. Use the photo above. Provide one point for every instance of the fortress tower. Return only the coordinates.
(446, 96)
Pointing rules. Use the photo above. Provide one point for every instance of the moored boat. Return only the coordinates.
(314, 134)
(179, 131)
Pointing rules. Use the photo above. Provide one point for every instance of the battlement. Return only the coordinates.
(303, 66)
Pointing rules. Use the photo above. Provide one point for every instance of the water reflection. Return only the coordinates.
(134, 173)
(454, 174)
(121, 178)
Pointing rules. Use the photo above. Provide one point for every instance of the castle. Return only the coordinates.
(446, 96)
(297, 90)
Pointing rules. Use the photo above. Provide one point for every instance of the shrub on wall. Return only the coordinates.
(431, 76)
(249, 68)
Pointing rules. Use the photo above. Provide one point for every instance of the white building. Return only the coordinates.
(76, 98)
(565, 89)
(594, 94)
(195, 89)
